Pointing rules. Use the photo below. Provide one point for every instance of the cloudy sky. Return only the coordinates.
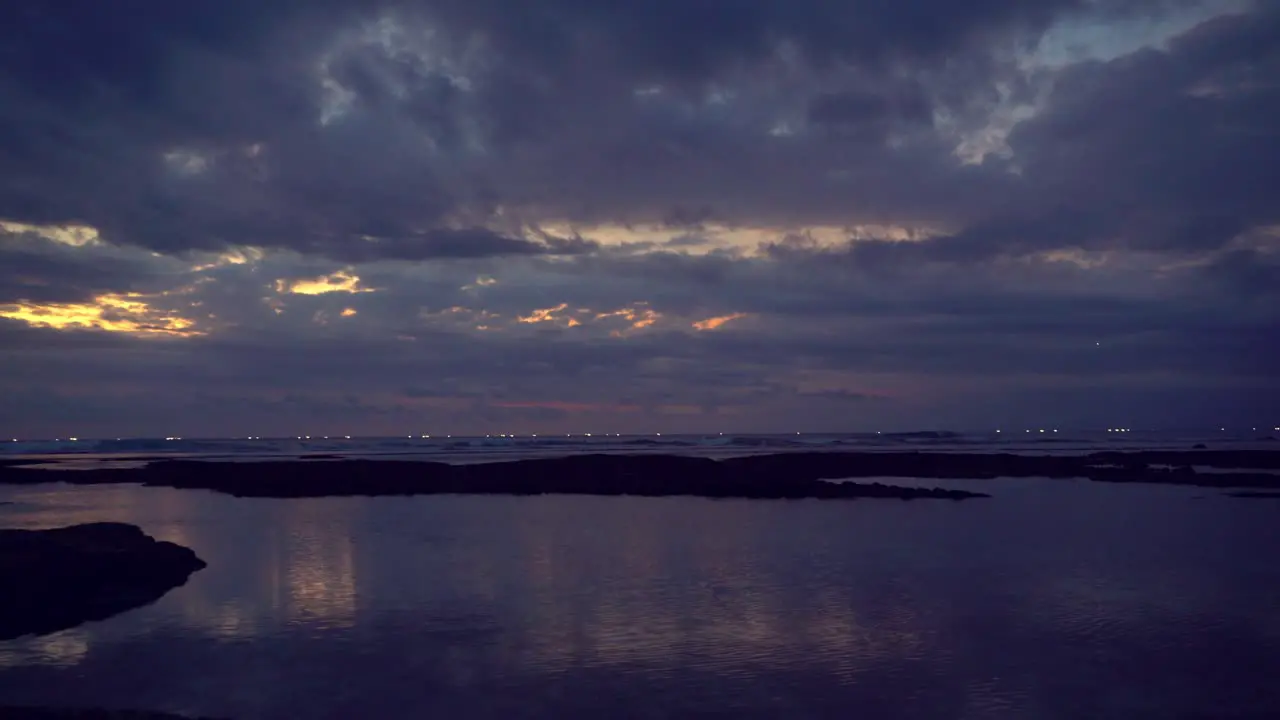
(238, 217)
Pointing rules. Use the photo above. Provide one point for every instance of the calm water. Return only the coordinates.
(1052, 600)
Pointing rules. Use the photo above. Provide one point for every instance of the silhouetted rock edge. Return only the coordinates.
(57, 579)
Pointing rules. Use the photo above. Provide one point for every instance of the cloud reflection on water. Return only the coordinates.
(548, 606)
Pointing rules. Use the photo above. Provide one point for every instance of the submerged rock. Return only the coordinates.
(58, 579)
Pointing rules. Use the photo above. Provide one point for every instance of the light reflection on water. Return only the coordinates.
(1053, 599)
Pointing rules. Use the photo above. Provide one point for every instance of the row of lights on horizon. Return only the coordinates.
(569, 435)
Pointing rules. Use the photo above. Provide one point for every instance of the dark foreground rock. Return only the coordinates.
(1256, 495)
(57, 579)
(34, 713)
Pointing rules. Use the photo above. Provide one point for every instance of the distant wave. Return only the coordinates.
(462, 448)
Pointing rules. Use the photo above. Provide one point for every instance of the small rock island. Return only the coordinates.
(57, 579)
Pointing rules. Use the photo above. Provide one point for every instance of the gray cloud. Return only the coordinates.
(647, 166)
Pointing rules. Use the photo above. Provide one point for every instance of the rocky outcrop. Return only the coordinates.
(778, 476)
(58, 579)
(643, 475)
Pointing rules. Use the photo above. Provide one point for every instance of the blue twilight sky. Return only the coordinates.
(469, 216)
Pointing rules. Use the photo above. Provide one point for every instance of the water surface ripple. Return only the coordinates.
(1051, 600)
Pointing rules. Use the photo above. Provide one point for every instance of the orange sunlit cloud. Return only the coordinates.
(638, 316)
(112, 312)
(715, 323)
(241, 256)
(342, 281)
(544, 315)
(349, 312)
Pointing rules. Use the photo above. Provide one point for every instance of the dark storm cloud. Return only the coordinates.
(33, 269)
(96, 95)
(1174, 150)
(692, 40)
(474, 161)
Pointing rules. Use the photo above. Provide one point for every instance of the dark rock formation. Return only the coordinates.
(1256, 495)
(35, 713)
(787, 475)
(58, 579)
(646, 475)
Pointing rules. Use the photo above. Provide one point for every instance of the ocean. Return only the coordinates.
(1052, 599)
(511, 447)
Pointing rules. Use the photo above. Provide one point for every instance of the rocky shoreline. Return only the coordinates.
(778, 476)
(57, 579)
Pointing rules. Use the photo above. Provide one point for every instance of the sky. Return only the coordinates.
(378, 217)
